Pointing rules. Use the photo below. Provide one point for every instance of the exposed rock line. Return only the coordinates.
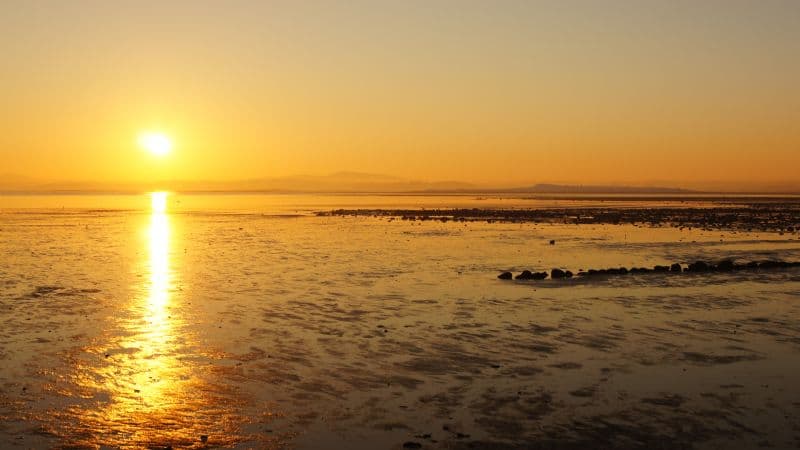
(695, 267)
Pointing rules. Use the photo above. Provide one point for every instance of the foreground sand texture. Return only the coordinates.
(266, 325)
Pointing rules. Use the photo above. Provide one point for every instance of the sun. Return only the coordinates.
(158, 144)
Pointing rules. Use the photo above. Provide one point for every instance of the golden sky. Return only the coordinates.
(681, 92)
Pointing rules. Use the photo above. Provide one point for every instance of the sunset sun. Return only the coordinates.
(157, 144)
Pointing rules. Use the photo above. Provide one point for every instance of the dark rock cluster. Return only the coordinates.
(558, 273)
(528, 275)
(695, 267)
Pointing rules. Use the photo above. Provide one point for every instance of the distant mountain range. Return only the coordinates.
(598, 189)
(340, 182)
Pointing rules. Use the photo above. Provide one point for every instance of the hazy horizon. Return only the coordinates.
(358, 182)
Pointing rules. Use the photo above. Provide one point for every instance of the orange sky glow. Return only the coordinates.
(680, 93)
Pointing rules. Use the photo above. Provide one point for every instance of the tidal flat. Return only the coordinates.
(179, 321)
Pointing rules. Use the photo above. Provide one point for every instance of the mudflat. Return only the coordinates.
(295, 327)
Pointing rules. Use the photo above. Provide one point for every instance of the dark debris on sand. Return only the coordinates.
(778, 216)
(694, 267)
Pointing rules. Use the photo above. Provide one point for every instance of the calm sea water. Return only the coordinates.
(249, 322)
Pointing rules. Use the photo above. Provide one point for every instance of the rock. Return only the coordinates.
(725, 266)
(204, 438)
(698, 267)
(411, 444)
(525, 275)
(770, 265)
(552, 242)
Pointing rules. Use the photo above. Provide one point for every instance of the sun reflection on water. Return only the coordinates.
(159, 240)
(158, 203)
(147, 381)
(157, 337)
(150, 380)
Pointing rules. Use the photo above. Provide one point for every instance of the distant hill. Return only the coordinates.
(591, 189)
(339, 182)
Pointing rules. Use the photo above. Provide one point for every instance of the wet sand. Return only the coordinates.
(134, 329)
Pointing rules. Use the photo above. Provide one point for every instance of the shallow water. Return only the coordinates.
(246, 321)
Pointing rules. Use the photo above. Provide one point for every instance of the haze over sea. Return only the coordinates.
(192, 321)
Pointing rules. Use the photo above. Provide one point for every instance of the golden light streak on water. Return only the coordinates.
(157, 337)
(153, 380)
(158, 202)
(157, 394)
(145, 381)
(160, 275)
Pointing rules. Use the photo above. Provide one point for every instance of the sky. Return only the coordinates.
(698, 94)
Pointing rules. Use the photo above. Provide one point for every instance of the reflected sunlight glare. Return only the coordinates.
(159, 258)
(152, 370)
(158, 202)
